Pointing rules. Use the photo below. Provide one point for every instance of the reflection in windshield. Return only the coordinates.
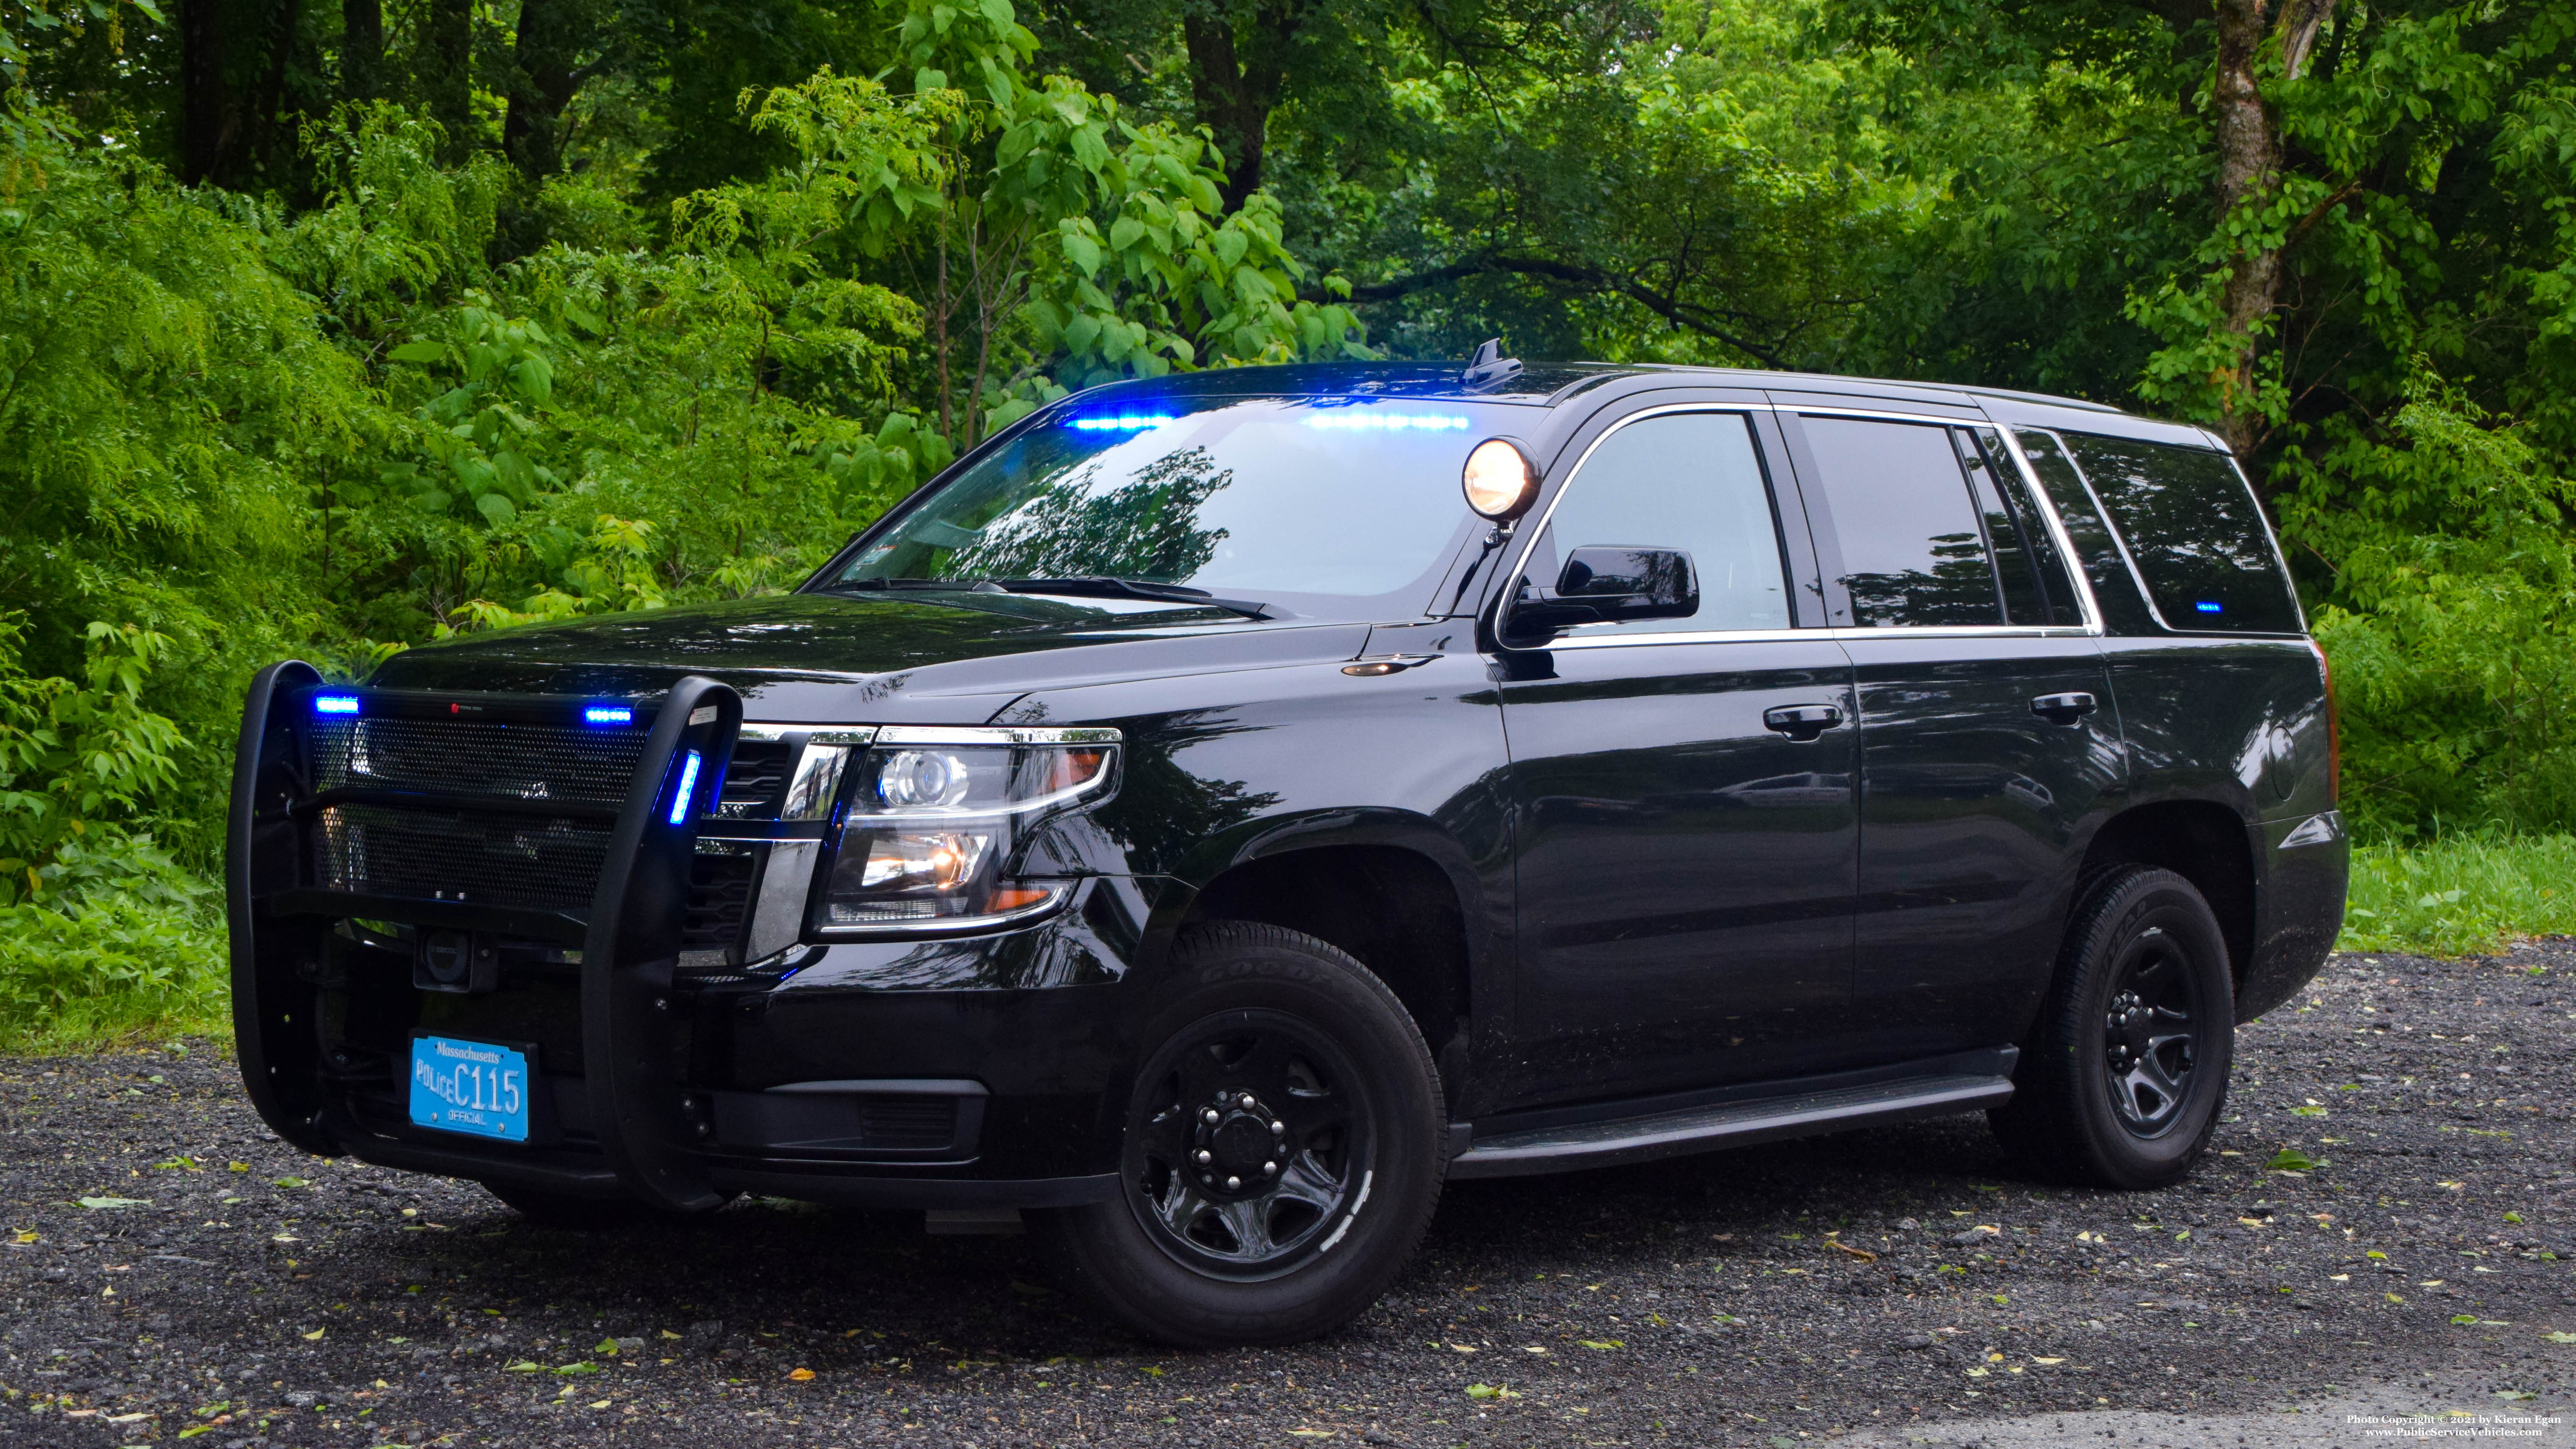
(1312, 497)
(1144, 528)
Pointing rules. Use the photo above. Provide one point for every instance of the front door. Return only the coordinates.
(1987, 736)
(1683, 800)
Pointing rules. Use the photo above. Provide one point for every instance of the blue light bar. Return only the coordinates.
(608, 714)
(1418, 422)
(1123, 423)
(335, 704)
(688, 788)
(2209, 606)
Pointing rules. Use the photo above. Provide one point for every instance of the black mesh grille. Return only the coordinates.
(907, 1123)
(459, 856)
(719, 898)
(478, 757)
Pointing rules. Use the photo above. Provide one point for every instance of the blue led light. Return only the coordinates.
(2209, 606)
(688, 787)
(1393, 422)
(335, 704)
(608, 714)
(1123, 423)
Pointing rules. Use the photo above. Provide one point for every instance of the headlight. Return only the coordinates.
(935, 817)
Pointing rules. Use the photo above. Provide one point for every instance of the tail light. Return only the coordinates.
(2334, 727)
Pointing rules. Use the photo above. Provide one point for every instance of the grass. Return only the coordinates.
(2460, 895)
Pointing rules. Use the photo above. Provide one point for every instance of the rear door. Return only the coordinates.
(1684, 866)
(1987, 738)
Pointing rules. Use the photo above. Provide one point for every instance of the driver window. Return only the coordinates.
(1688, 481)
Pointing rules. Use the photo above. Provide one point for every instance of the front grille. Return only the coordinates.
(500, 860)
(588, 766)
(719, 898)
(753, 780)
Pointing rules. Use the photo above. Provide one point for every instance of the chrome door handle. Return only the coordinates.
(2063, 709)
(1802, 722)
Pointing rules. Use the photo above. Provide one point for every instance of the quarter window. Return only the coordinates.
(1689, 481)
(2195, 531)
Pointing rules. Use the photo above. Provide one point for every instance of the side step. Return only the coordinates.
(1729, 1124)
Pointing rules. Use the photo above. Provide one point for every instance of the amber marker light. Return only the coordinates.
(1500, 480)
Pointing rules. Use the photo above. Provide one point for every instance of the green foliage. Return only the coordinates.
(2463, 894)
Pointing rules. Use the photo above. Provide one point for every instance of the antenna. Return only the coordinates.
(1489, 368)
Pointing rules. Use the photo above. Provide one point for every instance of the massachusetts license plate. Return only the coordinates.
(474, 1087)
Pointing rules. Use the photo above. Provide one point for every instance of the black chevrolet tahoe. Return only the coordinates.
(1220, 809)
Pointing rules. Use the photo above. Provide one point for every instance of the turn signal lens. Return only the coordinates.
(1500, 480)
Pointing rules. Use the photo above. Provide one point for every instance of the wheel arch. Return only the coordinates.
(1401, 900)
(2202, 841)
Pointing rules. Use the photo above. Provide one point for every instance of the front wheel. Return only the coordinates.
(2122, 1080)
(1282, 1154)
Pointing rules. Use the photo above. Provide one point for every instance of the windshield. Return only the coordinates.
(1313, 504)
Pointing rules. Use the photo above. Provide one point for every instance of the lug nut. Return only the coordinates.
(1204, 1157)
(1270, 1169)
(1278, 1129)
(1232, 1183)
(1208, 1116)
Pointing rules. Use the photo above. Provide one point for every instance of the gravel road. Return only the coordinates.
(1898, 1286)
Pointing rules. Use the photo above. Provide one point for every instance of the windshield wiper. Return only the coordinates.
(953, 586)
(1104, 586)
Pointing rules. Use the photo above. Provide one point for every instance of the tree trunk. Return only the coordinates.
(1233, 99)
(552, 34)
(209, 122)
(2247, 128)
(362, 49)
(446, 73)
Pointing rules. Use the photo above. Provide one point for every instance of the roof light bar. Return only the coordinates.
(1418, 422)
(1123, 423)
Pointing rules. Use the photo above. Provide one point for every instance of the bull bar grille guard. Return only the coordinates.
(321, 828)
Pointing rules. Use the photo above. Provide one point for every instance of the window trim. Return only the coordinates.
(1528, 541)
(2092, 613)
(2129, 560)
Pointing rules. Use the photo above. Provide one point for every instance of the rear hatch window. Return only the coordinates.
(2194, 531)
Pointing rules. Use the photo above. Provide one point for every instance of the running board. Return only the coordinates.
(1730, 1124)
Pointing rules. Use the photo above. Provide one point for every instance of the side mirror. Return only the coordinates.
(1615, 584)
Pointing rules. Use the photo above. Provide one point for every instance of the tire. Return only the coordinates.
(1345, 1124)
(2121, 1082)
(565, 1210)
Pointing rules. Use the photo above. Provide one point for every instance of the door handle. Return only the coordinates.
(2063, 709)
(1802, 722)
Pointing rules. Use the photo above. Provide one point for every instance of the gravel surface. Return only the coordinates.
(1897, 1286)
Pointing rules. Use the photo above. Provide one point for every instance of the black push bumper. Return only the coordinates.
(659, 1084)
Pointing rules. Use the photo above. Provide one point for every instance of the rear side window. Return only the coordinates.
(2194, 531)
(1912, 537)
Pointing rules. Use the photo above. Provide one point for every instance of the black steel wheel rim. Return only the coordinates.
(2151, 1033)
(1250, 1145)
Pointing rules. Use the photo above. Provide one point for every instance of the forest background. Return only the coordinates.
(330, 330)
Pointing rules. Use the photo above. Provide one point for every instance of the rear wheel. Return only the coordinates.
(2122, 1081)
(1282, 1153)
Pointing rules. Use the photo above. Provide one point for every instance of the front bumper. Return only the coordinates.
(969, 1072)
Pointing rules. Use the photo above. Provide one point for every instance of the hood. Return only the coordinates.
(885, 659)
